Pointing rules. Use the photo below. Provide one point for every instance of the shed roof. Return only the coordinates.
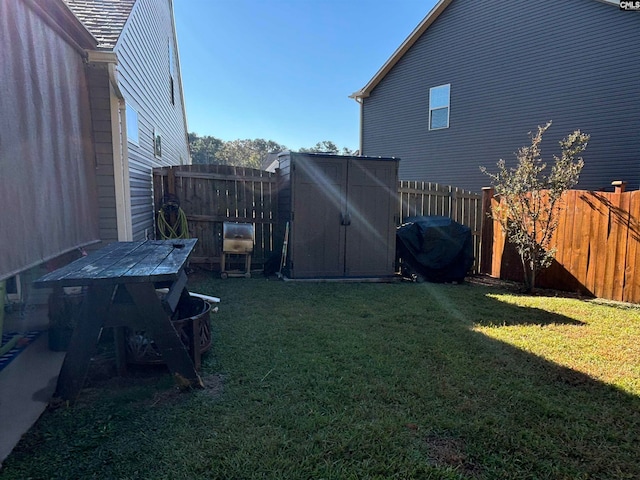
(105, 19)
(408, 43)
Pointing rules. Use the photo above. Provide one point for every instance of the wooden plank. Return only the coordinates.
(611, 244)
(175, 293)
(226, 199)
(564, 229)
(135, 266)
(571, 242)
(600, 245)
(84, 342)
(632, 285)
(220, 176)
(488, 237)
(172, 263)
(621, 215)
(158, 325)
(171, 181)
(584, 219)
(86, 270)
(499, 242)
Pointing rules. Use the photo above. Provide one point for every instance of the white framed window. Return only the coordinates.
(439, 98)
(132, 125)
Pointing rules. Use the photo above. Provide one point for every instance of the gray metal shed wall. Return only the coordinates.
(342, 211)
(47, 172)
(144, 80)
(513, 66)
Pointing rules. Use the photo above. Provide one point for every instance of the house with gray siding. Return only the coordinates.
(141, 102)
(475, 77)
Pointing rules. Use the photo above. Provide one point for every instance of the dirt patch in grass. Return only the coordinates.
(515, 287)
(102, 377)
(213, 384)
(487, 281)
(449, 452)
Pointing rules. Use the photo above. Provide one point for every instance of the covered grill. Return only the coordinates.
(237, 239)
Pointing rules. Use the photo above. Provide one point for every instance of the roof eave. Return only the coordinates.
(408, 43)
(402, 49)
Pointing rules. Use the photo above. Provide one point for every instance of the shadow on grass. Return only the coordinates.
(484, 309)
(532, 417)
(355, 381)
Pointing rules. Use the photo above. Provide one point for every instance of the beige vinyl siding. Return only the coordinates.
(143, 69)
(99, 96)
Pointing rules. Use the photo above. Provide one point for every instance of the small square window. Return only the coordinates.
(439, 98)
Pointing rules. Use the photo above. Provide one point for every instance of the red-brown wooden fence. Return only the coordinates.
(597, 241)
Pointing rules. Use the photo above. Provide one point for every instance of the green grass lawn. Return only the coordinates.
(364, 381)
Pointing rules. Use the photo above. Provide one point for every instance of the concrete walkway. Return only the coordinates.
(28, 382)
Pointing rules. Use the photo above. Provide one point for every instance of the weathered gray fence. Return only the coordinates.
(213, 194)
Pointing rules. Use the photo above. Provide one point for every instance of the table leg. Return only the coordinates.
(195, 342)
(120, 342)
(84, 342)
(158, 325)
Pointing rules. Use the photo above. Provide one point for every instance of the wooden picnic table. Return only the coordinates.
(121, 281)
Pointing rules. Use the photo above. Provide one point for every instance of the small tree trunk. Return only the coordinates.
(533, 264)
(532, 287)
(525, 273)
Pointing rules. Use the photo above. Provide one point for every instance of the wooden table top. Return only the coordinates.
(124, 262)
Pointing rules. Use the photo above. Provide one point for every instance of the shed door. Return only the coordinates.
(370, 237)
(319, 200)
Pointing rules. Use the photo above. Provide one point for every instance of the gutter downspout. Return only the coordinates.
(121, 182)
(359, 97)
(361, 139)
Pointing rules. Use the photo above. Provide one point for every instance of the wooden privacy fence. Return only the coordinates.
(213, 194)
(597, 241)
(425, 198)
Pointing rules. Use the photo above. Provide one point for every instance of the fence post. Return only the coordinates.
(171, 181)
(486, 232)
(619, 186)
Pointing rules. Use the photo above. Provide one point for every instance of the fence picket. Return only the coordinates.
(212, 194)
(598, 246)
(598, 237)
(632, 285)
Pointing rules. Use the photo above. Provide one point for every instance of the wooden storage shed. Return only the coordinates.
(342, 213)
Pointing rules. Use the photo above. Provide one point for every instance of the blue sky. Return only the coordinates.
(282, 70)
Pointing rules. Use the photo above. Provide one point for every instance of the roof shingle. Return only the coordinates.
(105, 19)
